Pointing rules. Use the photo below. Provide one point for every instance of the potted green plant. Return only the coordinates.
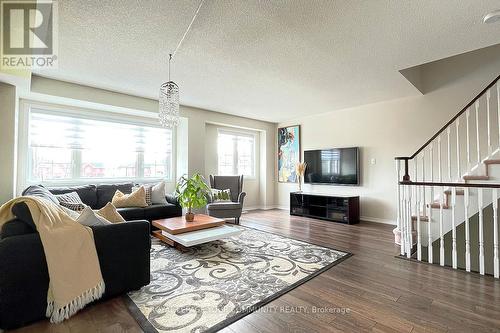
(192, 193)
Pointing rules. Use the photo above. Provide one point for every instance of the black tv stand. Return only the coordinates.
(344, 209)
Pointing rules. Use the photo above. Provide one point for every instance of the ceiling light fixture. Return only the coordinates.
(169, 91)
(492, 17)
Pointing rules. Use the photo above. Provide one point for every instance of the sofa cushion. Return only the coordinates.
(161, 211)
(88, 193)
(15, 228)
(110, 213)
(105, 192)
(90, 218)
(224, 205)
(71, 201)
(131, 213)
(40, 191)
(135, 199)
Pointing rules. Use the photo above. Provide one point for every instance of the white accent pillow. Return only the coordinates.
(221, 195)
(158, 194)
(89, 218)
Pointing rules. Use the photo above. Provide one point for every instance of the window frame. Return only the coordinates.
(24, 159)
(242, 133)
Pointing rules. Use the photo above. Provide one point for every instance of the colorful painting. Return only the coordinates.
(288, 153)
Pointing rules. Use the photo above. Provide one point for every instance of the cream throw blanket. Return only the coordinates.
(74, 272)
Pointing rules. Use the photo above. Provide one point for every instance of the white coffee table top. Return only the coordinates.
(203, 236)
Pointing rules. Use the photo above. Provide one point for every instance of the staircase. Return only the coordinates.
(449, 189)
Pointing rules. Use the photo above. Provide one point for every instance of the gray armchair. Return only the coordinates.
(231, 209)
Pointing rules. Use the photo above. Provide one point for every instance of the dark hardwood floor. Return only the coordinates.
(371, 291)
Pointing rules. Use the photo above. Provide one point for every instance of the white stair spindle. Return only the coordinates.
(467, 116)
(431, 159)
(429, 230)
(449, 152)
(423, 179)
(477, 133)
(419, 234)
(403, 221)
(481, 230)
(440, 177)
(431, 198)
(496, 261)
(459, 174)
(454, 226)
(441, 235)
(498, 112)
(488, 96)
(467, 231)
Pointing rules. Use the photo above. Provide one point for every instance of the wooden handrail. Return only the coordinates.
(449, 184)
(451, 121)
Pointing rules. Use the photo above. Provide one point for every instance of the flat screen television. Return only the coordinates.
(339, 166)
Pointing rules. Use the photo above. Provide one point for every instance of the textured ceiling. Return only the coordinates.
(270, 60)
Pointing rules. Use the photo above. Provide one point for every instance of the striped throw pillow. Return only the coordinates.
(149, 190)
(71, 201)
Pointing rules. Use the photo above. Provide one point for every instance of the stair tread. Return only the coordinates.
(422, 218)
(492, 161)
(476, 177)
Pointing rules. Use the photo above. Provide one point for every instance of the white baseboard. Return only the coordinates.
(248, 208)
(377, 220)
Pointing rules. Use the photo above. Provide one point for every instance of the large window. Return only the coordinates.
(64, 147)
(235, 153)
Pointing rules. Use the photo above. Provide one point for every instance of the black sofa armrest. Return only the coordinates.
(172, 199)
(24, 280)
(123, 250)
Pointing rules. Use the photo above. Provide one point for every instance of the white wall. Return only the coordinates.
(8, 135)
(394, 128)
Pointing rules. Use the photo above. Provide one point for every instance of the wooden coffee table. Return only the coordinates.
(177, 232)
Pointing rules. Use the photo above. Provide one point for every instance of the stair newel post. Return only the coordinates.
(488, 96)
(408, 222)
(467, 231)
(481, 230)
(496, 260)
(454, 227)
(406, 176)
(404, 214)
(467, 116)
(477, 133)
(457, 125)
(399, 207)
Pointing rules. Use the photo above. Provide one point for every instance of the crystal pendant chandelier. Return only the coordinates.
(169, 91)
(169, 102)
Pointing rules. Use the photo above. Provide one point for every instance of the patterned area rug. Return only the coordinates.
(217, 283)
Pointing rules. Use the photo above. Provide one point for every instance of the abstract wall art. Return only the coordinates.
(288, 153)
